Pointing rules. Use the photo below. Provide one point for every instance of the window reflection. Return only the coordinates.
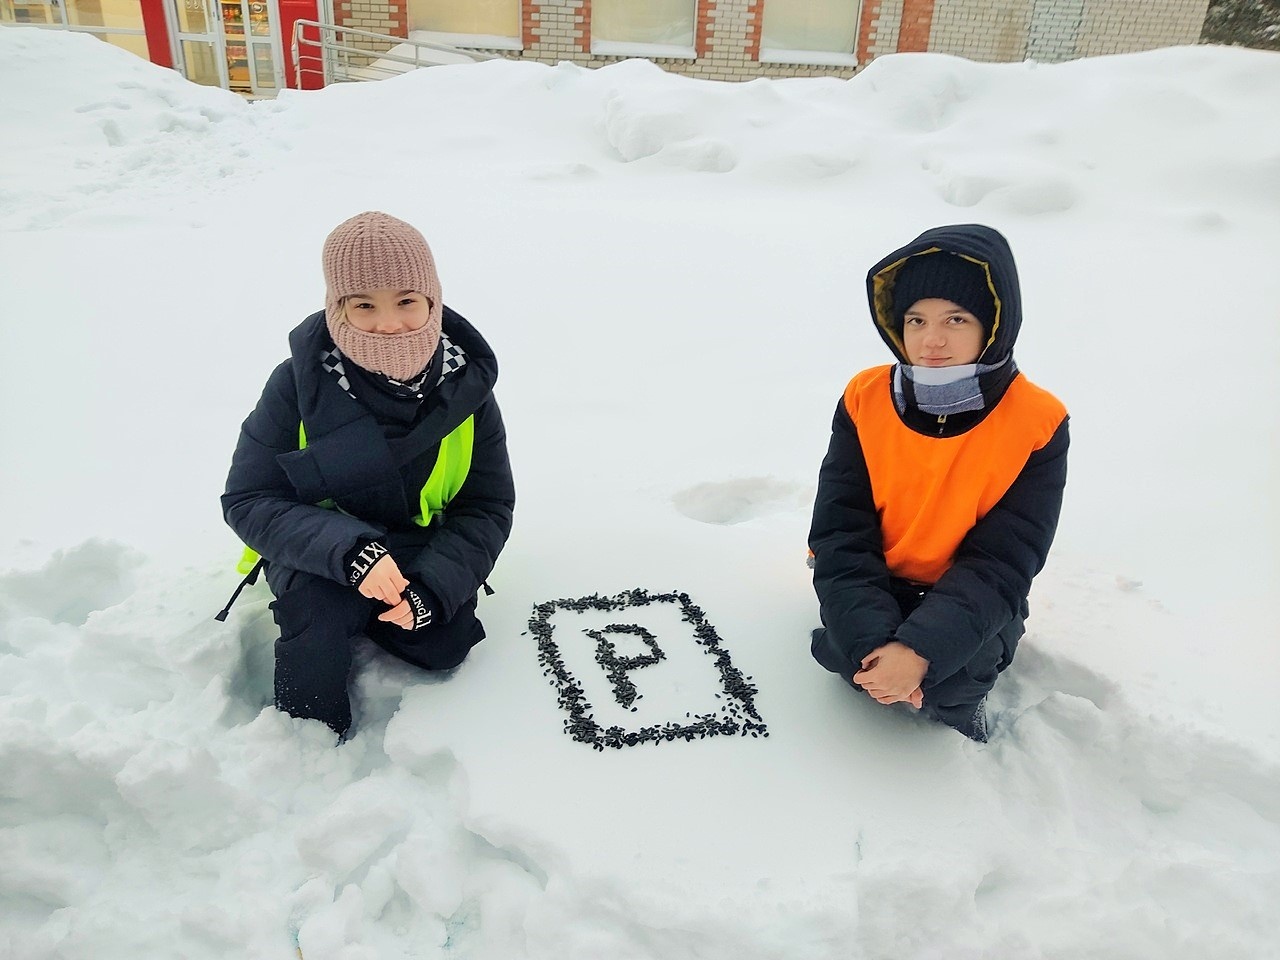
(492, 18)
(133, 42)
(202, 64)
(193, 16)
(820, 25)
(36, 13)
(264, 66)
(659, 21)
(119, 14)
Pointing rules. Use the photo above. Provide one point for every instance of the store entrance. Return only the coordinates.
(233, 44)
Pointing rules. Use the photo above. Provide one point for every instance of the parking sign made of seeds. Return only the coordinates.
(642, 668)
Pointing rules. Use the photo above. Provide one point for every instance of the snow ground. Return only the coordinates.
(671, 273)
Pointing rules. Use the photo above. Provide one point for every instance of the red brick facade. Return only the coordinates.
(917, 19)
(528, 20)
(755, 24)
(582, 28)
(870, 9)
(703, 31)
(728, 34)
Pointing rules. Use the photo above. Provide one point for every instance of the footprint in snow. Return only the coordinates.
(736, 501)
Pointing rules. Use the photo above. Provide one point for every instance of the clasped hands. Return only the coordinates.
(892, 674)
(385, 582)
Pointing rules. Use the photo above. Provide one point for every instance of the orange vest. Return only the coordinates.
(931, 491)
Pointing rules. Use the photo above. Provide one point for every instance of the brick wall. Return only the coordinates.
(1055, 30)
(1119, 26)
(994, 31)
(557, 30)
(726, 40)
(727, 32)
(880, 29)
(375, 16)
(917, 22)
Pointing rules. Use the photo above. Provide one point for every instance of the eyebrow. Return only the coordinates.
(365, 296)
(917, 313)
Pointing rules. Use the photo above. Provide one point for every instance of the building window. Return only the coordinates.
(810, 31)
(658, 28)
(36, 12)
(118, 22)
(491, 24)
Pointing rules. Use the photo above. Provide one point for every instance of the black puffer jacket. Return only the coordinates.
(372, 468)
(986, 586)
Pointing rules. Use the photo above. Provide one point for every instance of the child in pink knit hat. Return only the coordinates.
(372, 477)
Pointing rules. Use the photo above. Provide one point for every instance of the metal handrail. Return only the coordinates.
(333, 56)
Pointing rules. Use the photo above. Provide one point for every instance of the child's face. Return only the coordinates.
(387, 310)
(939, 333)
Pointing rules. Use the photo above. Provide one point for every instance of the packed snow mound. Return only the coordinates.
(1082, 828)
(129, 126)
(672, 274)
(945, 114)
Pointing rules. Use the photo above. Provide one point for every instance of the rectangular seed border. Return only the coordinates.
(739, 692)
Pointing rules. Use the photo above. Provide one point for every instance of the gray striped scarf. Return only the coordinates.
(943, 391)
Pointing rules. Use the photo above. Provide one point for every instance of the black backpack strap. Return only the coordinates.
(248, 581)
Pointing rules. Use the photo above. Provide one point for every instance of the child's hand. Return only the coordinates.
(401, 615)
(892, 673)
(384, 581)
(414, 611)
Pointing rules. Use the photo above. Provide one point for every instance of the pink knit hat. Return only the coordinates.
(370, 251)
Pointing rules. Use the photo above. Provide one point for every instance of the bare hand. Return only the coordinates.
(401, 615)
(892, 674)
(384, 581)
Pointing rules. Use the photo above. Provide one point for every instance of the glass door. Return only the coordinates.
(233, 44)
(200, 46)
(249, 34)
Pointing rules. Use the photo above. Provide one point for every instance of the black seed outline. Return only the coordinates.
(738, 713)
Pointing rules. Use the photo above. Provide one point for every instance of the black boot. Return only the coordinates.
(969, 719)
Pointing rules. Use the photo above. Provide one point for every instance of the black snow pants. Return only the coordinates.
(319, 620)
(958, 700)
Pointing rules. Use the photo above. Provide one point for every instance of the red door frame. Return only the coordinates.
(153, 21)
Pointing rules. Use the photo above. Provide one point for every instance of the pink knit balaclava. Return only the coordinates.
(373, 250)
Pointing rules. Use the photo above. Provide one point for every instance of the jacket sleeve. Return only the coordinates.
(463, 549)
(849, 571)
(988, 583)
(262, 506)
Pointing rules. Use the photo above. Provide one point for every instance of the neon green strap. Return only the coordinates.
(248, 560)
(453, 463)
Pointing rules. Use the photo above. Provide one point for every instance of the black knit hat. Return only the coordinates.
(947, 277)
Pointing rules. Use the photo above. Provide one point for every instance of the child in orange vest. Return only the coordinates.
(940, 492)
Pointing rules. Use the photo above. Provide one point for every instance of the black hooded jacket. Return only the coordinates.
(985, 587)
(367, 460)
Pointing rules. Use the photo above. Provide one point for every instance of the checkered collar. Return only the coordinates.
(331, 359)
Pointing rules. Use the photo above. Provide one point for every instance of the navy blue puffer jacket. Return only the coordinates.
(372, 469)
